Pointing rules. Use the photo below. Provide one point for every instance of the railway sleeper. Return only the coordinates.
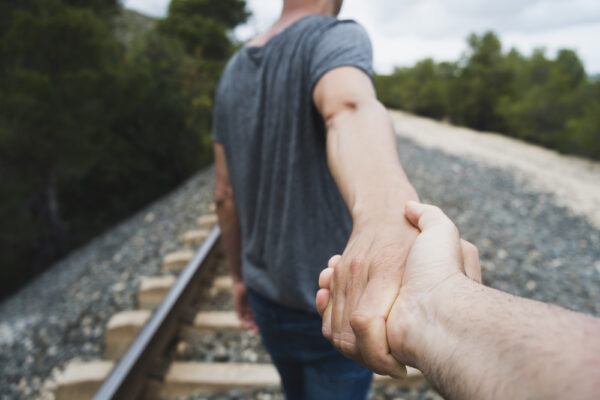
(177, 260)
(81, 380)
(153, 289)
(122, 329)
(194, 237)
(207, 221)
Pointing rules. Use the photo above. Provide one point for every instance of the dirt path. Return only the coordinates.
(574, 181)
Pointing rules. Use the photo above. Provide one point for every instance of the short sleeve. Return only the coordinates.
(344, 43)
(218, 124)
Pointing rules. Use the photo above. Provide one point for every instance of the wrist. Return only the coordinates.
(417, 330)
(382, 207)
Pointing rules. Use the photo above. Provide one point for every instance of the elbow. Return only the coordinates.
(349, 108)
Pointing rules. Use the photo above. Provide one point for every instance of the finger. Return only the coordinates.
(322, 300)
(340, 338)
(326, 324)
(471, 260)
(425, 216)
(368, 323)
(326, 316)
(333, 261)
(325, 278)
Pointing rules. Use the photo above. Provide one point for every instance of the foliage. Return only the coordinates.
(96, 121)
(551, 102)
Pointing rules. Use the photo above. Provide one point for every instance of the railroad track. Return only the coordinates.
(150, 352)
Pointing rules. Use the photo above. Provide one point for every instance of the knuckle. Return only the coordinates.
(360, 322)
(347, 347)
(344, 344)
(355, 266)
(338, 273)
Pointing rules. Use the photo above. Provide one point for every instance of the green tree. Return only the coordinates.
(551, 102)
(93, 126)
(56, 63)
(484, 79)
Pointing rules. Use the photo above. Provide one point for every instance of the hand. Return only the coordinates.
(242, 306)
(364, 283)
(416, 271)
(438, 257)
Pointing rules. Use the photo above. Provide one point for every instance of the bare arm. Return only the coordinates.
(227, 214)
(363, 158)
(488, 344)
(475, 342)
(231, 236)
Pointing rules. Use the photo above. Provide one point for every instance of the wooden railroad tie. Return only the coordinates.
(153, 289)
(207, 221)
(81, 380)
(177, 260)
(194, 237)
(122, 329)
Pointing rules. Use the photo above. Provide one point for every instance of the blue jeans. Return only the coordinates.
(309, 366)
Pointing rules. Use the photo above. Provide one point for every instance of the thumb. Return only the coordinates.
(425, 216)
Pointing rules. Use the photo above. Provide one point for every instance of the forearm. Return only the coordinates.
(480, 343)
(230, 235)
(363, 158)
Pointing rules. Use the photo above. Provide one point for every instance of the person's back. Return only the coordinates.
(288, 216)
(291, 213)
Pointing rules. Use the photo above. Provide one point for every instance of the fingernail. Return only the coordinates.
(399, 373)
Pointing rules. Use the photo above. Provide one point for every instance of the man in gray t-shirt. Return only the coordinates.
(306, 167)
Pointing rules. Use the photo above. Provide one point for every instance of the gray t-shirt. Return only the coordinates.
(292, 215)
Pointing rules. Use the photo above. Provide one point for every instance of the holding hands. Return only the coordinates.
(360, 327)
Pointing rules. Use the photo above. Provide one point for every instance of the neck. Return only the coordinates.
(296, 9)
(293, 10)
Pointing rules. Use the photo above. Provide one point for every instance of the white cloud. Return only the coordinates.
(405, 31)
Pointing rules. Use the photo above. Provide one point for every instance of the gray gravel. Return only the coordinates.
(529, 246)
(238, 347)
(61, 315)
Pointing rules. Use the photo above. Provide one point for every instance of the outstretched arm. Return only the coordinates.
(231, 236)
(363, 158)
(474, 342)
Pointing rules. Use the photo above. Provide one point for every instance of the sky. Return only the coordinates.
(406, 31)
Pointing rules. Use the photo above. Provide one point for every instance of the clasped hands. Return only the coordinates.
(377, 298)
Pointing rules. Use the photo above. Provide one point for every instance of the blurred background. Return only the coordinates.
(102, 109)
(106, 105)
(105, 153)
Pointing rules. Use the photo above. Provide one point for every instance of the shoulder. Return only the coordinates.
(320, 28)
(341, 34)
(346, 29)
(230, 70)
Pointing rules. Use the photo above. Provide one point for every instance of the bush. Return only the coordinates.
(549, 102)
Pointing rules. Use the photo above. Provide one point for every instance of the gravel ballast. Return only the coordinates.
(530, 245)
(61, 315)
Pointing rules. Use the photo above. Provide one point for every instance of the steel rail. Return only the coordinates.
(126, 381)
